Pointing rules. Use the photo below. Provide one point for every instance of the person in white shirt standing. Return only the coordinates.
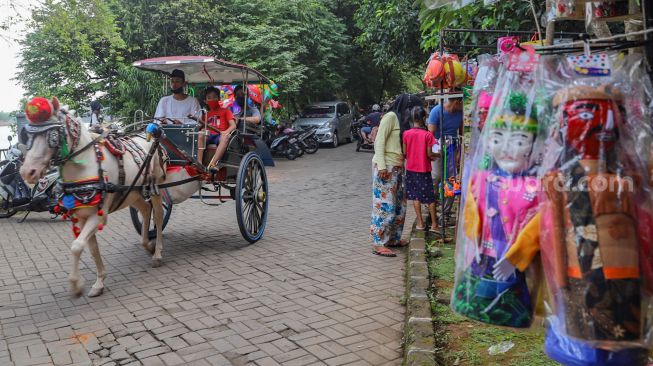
(176, 108)
(96, 117)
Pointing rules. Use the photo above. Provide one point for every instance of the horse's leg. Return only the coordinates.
(98, 286)
(157, 205)
(88, 228)
(146, 212)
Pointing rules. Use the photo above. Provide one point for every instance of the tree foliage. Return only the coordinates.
(360, 50)
(299, 43)
(71, 51)
(503, 15)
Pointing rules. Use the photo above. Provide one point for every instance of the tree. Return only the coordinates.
(71, 50)
(169, 27)
(508, 15)
(299, 43)
(390, 31)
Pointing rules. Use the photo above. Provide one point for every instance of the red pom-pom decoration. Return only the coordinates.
(74, 220)
(64, 217)
(38, 110)
(100, 227)
(76, 231)
(56, 209)
(100, 212)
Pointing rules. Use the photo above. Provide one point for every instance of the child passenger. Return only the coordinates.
(221, 122)
(418, 143)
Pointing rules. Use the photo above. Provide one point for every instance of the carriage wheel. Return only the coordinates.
(137, 220)
(251, 197)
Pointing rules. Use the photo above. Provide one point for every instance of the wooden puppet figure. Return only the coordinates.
(500, 201)
(594, 247)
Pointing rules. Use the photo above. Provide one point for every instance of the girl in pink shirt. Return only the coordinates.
(418, 143)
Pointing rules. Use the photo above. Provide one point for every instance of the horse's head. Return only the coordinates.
(44, 137)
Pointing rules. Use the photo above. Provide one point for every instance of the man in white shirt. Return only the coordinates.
(177, 107)
(96, 117)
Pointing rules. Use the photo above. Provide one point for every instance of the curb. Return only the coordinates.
(419, 337)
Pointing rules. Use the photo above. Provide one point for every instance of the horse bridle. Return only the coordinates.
(57, 137)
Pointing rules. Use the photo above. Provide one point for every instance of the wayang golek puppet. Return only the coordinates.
(500, 201)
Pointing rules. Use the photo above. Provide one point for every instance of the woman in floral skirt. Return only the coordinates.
(388, 197)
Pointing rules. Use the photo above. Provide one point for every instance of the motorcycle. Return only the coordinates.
(281, 143)
(308, 140)
(16, 196)
(356, 128)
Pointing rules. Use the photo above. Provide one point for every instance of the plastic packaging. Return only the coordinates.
(500, 348)
(596, 209)
(499, 203)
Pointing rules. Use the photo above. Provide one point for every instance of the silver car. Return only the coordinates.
(333, 121)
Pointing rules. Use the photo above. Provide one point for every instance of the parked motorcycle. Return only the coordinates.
(16, 196)
(308, 140)
(281, 143)
(358, 135)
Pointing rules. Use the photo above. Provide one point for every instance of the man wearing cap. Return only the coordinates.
(177, 107)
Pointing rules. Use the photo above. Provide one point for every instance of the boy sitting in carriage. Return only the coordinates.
(220, 122)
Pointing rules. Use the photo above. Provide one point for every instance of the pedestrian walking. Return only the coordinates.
(388, 198)
(418, 146)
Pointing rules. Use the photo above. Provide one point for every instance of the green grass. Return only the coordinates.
(463, 341)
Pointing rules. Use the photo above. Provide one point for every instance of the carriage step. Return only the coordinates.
(212, 197)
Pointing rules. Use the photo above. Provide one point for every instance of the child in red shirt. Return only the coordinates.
(418, 143)
(220, 119)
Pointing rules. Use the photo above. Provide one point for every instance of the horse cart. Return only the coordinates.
(240, 175)
(101, 172)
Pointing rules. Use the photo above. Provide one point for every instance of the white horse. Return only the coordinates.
(85, 161)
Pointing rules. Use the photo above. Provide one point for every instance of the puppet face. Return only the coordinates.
(589, 126)
(511, 149)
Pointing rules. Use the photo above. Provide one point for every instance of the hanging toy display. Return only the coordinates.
(606, 9)
(566, 8)
(595, 218)
(444, 71)
(500, 201)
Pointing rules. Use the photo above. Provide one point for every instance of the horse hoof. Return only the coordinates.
(76, 288)
(156, 263)
(76, 293)
(96, 291)
(151, 247)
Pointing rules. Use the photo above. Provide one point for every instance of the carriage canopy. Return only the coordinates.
(204, 69)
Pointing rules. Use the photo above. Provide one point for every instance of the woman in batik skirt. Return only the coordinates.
(388, 196)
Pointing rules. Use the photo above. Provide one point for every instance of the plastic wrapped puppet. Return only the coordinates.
(485, 79)
(595, 232)
(501, 200)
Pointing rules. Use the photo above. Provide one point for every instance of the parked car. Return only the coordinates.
(332, 119)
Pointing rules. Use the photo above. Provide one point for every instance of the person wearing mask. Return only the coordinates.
(179, 107)
(452, 125)
(220, 122)
(252, 115)
(388, 198)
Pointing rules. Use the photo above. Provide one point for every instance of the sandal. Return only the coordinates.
(420, 228)
(384, 252)
(434, 230)
(400, 244)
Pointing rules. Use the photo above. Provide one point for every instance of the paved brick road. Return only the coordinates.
(309, 293)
